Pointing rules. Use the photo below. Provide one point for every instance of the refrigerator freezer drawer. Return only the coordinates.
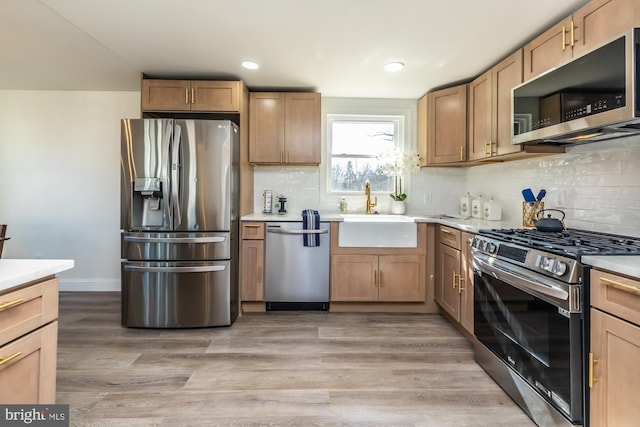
(142, 246)
(177, 294)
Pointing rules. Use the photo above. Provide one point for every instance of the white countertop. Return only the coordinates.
(629, 265)
(15, 272)
(471, 224)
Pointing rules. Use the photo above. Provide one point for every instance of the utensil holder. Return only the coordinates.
(530, 211)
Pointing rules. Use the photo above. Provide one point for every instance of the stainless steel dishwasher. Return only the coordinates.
(296, 276)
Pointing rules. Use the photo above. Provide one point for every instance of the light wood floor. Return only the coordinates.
(273, 369)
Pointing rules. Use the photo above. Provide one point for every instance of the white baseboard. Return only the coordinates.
(80, 285)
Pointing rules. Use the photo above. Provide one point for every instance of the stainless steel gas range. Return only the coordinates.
(531, 325)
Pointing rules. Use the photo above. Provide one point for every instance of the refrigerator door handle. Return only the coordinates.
(217, 239)
(175, 175)
(164, 177)
(193, 269)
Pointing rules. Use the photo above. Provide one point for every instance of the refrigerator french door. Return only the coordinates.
(179, 223)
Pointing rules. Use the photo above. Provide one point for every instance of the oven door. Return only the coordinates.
(533, 337)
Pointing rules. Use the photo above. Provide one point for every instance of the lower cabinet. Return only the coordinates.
(252, 266)
(454, 275)
(368, 278)
(614, 378)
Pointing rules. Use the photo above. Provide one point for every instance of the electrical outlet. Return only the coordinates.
(560, 199)
(427, 199)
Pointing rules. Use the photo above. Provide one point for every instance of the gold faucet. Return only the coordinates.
(367, 192)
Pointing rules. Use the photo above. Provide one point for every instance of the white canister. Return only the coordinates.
(476, 207)
(465, 205)
(491, 210)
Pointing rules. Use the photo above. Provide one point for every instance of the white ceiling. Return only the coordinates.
(337, 47)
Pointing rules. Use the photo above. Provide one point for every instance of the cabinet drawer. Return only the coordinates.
(28, 368)
(450, 236)
(616, 294)
(252, 231)
(26, 309)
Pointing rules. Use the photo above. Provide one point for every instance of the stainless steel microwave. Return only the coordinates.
(593, 97)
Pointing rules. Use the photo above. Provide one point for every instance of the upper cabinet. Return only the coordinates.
(490, 109)
(191, 95)
(446, 125)
(591, 25)
(284, 128)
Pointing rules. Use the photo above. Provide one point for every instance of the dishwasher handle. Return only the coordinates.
(285, 231)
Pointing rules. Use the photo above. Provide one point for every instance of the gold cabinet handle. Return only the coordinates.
(445, 231)
(592, 362)
(460, 287)
(375, 278)
(8, 359)
(186, 96)
(380, 278)
(573, 41)
(621, 286)
(564, 37)
(287, 156)
(454, 279)
(251, 225)
(9, 304)
(461, 153)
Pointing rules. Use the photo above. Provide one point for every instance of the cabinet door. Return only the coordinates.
(252, 270)
(449, 269)
(401, 278)
(504, 77)
(615, 347)
(302, 128)
(447, 125)
(166, 95)
(266, 127)
(28, 368)
(480, 117)
(218, 96)
(422, 130)
(548, 50)
(354, 278)
(466, 284)
(600, 20)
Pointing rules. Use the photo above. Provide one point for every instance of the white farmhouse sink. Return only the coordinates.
(377, 231)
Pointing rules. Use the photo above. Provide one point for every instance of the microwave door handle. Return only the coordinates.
(164, 174)
(175, 175)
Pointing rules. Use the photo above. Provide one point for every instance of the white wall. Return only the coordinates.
(59, 180)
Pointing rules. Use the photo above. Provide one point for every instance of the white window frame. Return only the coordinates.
(375, 107)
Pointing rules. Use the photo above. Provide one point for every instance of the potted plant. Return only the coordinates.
(398, 163)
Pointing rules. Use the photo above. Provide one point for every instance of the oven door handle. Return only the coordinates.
(518, 277)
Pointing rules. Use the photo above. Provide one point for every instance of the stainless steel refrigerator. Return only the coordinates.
(179, 222)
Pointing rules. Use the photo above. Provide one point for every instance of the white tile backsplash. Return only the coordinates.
(598, 183)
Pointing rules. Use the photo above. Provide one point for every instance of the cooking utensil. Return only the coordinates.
(549, 224)
(541, 195)
(528, 195)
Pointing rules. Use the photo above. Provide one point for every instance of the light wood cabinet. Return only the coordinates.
(591, 25)
(252, 263)
(284, 128)
(614, 379)
(422, 130)
(191, 95)
(447, 125)
(389, 278)
(490, 117)
(454, 276)
(28, 344)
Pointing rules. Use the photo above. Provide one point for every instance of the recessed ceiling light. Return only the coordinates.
(250, 65)
(394, 66)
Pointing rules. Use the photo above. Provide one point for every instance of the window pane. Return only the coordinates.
(351, 173)
(364, 138)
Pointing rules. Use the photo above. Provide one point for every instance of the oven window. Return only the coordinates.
(528, 334)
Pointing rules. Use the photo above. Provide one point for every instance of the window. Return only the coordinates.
(355, 144)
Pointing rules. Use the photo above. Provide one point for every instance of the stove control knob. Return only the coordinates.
(491, 247)
(559, 268)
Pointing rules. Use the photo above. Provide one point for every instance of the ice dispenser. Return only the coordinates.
(147, 203)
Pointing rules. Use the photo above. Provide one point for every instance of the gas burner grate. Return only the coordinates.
(575, 243)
